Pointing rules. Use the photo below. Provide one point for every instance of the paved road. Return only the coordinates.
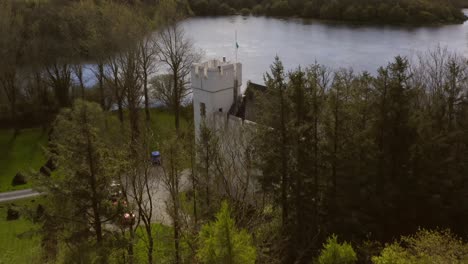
(17, 195)
(161, 196)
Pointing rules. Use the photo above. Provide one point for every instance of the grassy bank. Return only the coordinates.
(22, 153)
(163, 123)
(18, 244)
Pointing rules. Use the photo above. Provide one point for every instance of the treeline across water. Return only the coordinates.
(365, 157)
(382, 11)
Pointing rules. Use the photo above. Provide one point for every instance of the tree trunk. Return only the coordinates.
(95, 202)
(176, 239)
(101, 85)
(120, 110)
(13, 117)
(176, 100)
(150, 243)
(194, 189)
(145, 88)
(284, 176)
(207, 177)
(130, 250)
(335, 148)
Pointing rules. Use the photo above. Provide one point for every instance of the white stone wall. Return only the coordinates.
(213, 84)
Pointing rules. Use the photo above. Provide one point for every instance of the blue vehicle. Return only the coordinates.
(156, 158)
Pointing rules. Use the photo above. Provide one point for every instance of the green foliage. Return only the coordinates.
(21, 153)
(258, 10)
(377, 158)
(425, 246)
(245, 11)
(163, 250)
(279, 8)
(221, 242)
(351, 13)
(381, 11)
(89, 153)
(336, 253)
(19, 239)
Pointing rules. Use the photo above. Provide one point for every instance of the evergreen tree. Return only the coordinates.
(274, 138)
(221, 242)
(78, 192)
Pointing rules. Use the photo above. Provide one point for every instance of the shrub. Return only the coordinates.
(351, 13)
(19, 179)
(39, 212)
(397, 14)
(224, 10)
(12, 214)
(258, 10)
(200, 7)
(425, 247)
(330, 11)
(50, 164)
(310, 10)
(426, 17)
(336, 253)
(221, 242)
(45, 171)
(245, 11)
(280, 8)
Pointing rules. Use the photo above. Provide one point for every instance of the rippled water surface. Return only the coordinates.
(299, 42)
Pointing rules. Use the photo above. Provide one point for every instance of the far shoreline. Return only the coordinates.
(344, 22)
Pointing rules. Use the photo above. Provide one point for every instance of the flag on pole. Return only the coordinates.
(237, 44)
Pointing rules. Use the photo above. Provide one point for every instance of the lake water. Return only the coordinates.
(302, 42)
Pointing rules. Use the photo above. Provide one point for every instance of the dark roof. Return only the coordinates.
(254, 88)
(246, 109)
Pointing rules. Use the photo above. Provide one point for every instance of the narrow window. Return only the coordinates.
(202, 109)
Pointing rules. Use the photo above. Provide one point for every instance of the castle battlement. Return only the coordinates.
(215, 75)
(213, 66)
(216, 85)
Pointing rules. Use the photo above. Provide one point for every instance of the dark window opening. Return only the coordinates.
(202, 109)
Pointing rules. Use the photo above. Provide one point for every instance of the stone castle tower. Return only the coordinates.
(216, 88)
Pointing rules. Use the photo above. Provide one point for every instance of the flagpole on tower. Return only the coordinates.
(237, 46)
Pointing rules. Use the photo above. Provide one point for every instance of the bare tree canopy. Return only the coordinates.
(178, 53)
(148, 65)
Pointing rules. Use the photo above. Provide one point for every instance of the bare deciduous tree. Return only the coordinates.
(148, 64)
(113, 80)
(131, 82)
(163, 90)
(60, 79)
(178, 53)
(11, 50)
(78, 72)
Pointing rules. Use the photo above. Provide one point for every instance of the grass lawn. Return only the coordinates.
(23, 153)
(163, 122)
(17, 244)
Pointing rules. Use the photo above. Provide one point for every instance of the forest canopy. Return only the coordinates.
(381, 11)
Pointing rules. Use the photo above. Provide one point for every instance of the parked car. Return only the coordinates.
(115, 190)
(128, 219)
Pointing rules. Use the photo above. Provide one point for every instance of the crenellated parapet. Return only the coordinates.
(216, 87)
